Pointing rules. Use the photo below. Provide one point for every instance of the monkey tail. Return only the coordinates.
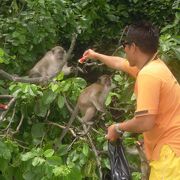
(73, 117)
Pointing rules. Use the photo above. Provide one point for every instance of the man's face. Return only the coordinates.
(130, 51)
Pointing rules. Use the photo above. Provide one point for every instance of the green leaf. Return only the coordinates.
(1, 52)
(49, 97)
(80, 82)
(61, 170)
(54, 160)
(40, 109)
(49, 153)
(118, 78)
(15, 34)
(136, 175)
(135, 1)
(75, 174)
(5, 151)
(108, 100)
(54, 87)
(177, 52)
(66, 86)
(60, 101)
(38, 161)
(38, 130)
(85, 149)
(62, 150)
(3, 165)
(60, 76)
(106, 163)
(27, 156)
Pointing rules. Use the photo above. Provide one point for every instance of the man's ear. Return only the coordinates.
(133, 47)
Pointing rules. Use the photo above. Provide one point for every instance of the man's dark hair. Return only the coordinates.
(144, 35)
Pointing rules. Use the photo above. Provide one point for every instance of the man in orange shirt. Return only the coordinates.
(157, 114)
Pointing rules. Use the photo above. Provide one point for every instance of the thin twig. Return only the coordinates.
(6, 96)
(62, 127)
(74, 140)
(95, 152)
(11, 120)
(20, 145)
(19, 125)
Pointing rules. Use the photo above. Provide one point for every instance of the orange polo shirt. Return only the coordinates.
(158, 92)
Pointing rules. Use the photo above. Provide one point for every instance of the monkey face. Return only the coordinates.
(59, 52)
(105, 79)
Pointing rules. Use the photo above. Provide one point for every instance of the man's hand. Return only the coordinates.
(89, 54)
(112, 135)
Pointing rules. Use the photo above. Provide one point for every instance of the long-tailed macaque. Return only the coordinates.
(90, 101)
(50, 64)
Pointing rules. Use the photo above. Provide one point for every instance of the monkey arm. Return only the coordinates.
(98, 105)
(89, 114)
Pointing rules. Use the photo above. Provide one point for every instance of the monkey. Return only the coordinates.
(90, 101)
(50, 64)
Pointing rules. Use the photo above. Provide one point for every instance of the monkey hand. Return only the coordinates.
(112, 135)
(90, 123)
(101, 109)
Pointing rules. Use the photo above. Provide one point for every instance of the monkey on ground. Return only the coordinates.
(50, 64)
(90, 101)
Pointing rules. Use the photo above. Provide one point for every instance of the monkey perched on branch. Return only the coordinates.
(37, 74)
(90, 101)
(51, 64)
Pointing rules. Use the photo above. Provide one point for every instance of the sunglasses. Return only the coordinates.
(124, 43)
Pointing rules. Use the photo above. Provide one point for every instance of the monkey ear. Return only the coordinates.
(99, 80)
(53, 50)
(108, 81)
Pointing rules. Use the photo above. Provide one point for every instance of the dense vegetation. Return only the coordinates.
(31, 128)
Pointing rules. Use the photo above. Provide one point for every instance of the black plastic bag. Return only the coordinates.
(119, 165)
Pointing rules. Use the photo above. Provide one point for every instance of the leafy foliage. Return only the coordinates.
(29, 146)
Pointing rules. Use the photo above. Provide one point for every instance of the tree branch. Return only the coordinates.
(19, 125)
(62, 127)
(6, 96)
